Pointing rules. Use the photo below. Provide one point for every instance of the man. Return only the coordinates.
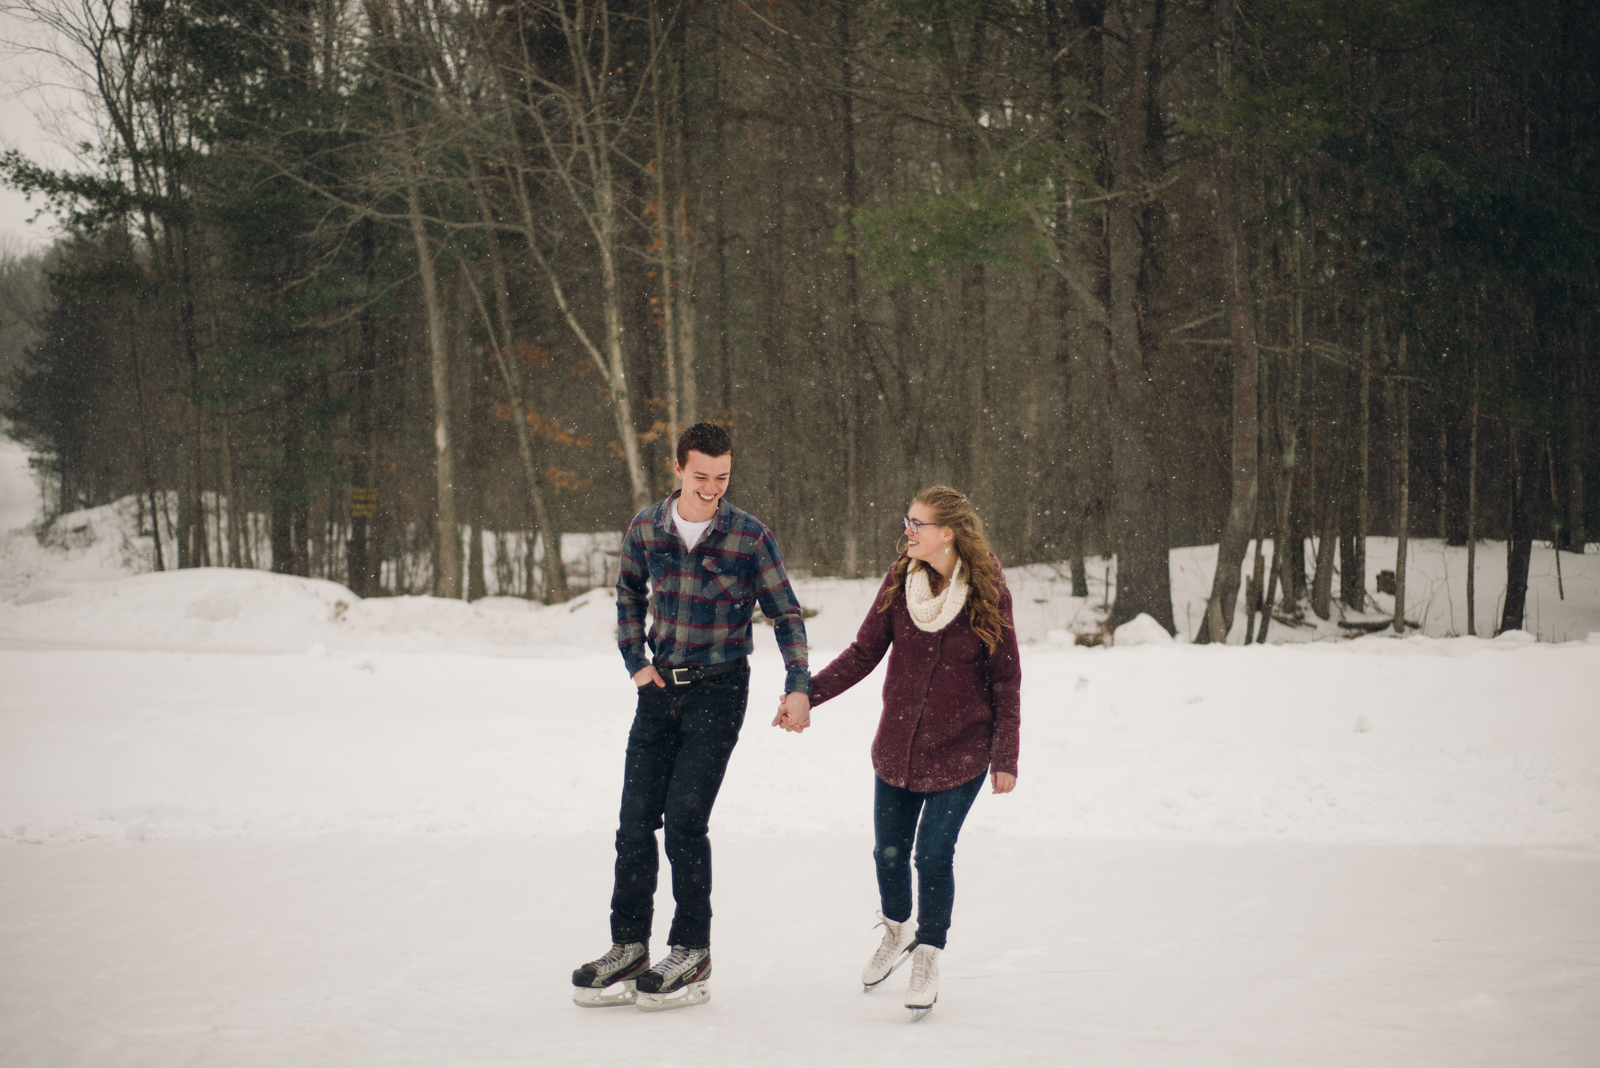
(708, 564)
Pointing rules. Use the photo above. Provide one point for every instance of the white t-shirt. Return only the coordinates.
(689, 532)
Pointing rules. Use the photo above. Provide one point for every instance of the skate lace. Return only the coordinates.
(924, 966)
(890, 946)
(681, 959)
(617, 954)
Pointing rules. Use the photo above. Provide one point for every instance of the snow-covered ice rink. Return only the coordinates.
(248, 820)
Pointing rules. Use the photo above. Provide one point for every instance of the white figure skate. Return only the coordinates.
(924, 989)
(899, 939)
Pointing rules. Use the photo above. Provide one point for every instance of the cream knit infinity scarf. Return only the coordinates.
(932, 613)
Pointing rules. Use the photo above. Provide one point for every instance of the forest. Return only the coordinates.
(396, 292)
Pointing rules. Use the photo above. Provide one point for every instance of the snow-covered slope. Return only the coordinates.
(19, 492)
(88, 583)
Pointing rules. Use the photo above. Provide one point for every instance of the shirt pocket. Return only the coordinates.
(725, 580)
(660, 563)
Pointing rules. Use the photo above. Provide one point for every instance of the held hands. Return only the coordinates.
(794, 712)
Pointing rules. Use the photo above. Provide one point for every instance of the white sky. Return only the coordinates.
(33, 87)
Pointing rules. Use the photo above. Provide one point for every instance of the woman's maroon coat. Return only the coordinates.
(950, 709)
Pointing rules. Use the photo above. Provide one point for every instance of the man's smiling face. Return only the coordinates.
(703, 479)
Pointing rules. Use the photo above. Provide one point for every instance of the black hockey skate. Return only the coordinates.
(676, 982)
(611, 980)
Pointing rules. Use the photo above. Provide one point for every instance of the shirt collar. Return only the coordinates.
(720, 522)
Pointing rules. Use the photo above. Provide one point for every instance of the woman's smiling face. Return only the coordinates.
(926, 542)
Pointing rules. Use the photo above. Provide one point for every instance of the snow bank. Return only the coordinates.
(88, 583)
(19, 489)
(1141, 630)
(226, 610)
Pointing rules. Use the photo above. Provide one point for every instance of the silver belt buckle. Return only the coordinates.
(677, 681)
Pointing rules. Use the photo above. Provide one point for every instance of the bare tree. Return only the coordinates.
(577, 122)
(674, 246)
(1404, 518)
(390, 49)
(1240, 307)
(1144, 581)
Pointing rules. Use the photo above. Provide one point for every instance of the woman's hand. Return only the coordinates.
(794, 712)
(1004, 782)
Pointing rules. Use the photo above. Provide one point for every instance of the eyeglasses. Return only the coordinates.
(913, 525)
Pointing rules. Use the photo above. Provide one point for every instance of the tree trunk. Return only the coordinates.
(502, 345)
(1081, 367)
(288, 505)
(674, 236)
(144, 438)
(1283, 554)
(607, 235)
(1259, 584)
(1364, 481)
(1322, 580)
(1253, 591)
(851, 375)
(977, 473)
(973, 330)
(1472, 510)
(1030, 418)
(1519, 548)
(1557, 527)
(1578, 533)
(191, 515)
(665, 239)
(447, 538)
(1144, 581)
(1334, 495)
(1240, 305)
(1266, 604)
(1444, 475)
(1403, 401)
(230, 487)
(1351, 588)
(1295, 504)
(364, 465)
(477, 580)
(299, 513)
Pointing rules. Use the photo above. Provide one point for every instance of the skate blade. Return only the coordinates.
(692, 994)
(623, 993)
(919, 1011)
(867, 987)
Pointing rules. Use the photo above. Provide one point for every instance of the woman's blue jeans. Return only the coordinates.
(934, 820)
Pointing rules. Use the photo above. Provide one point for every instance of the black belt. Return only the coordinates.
(686, 674)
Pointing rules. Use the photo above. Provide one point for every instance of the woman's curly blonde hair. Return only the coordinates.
(951, 509)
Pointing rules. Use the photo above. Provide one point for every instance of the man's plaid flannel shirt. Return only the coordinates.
(704, 596)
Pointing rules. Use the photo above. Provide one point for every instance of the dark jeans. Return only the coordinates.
(895, 820)
(678, 750)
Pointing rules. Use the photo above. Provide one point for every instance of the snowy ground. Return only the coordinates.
(248, 820)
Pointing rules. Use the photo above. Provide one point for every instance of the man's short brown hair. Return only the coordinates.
(707, 438)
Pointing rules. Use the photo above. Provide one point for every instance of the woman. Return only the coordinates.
(951, 712)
